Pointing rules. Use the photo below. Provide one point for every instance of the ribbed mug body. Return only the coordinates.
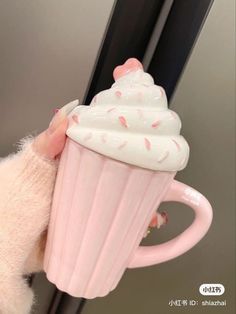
(100, 212)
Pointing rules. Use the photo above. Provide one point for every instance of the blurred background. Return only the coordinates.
(50, 51)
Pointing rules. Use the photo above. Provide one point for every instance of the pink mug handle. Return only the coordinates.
(179, 192)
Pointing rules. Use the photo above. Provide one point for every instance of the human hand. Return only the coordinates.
(158, 220)
(26, 184)
(50, 142)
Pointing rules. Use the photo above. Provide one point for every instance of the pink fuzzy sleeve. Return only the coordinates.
(26, 188)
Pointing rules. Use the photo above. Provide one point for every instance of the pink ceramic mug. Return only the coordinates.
(118, 165)
(94, 232)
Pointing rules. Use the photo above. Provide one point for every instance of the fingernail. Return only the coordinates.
(56, 120)
(60, 115)
(67, 109)
(164, 215)
(154, 221)
(55, 110)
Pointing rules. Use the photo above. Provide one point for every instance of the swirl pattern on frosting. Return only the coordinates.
(131, 122)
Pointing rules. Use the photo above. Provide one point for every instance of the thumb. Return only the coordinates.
(50, 142)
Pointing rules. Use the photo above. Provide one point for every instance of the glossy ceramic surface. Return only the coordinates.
(101, 210)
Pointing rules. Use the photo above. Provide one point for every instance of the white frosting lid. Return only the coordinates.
(131, 122)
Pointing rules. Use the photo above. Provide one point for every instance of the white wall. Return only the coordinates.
(48, 49)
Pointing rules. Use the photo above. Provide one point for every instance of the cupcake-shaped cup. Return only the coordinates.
(118, 165)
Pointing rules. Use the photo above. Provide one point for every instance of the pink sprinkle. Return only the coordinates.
(104, 137)
(122, 145)
(111, 109)
(177, 144)
(164, 157)
(118, 94)
(147, 144)
(140, 113)
(123, 121)
(95, 99)
(88, 136)
(156, 124)
(75, 118)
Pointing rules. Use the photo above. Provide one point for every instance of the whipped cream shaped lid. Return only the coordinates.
(131, 122)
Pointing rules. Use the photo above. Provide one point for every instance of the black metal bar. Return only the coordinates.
(177, 40)
(81, 306)
(55, 302)
(66, 304)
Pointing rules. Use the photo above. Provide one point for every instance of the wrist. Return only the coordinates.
(35, 169)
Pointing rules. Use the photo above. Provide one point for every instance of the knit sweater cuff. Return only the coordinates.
(35, 169)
